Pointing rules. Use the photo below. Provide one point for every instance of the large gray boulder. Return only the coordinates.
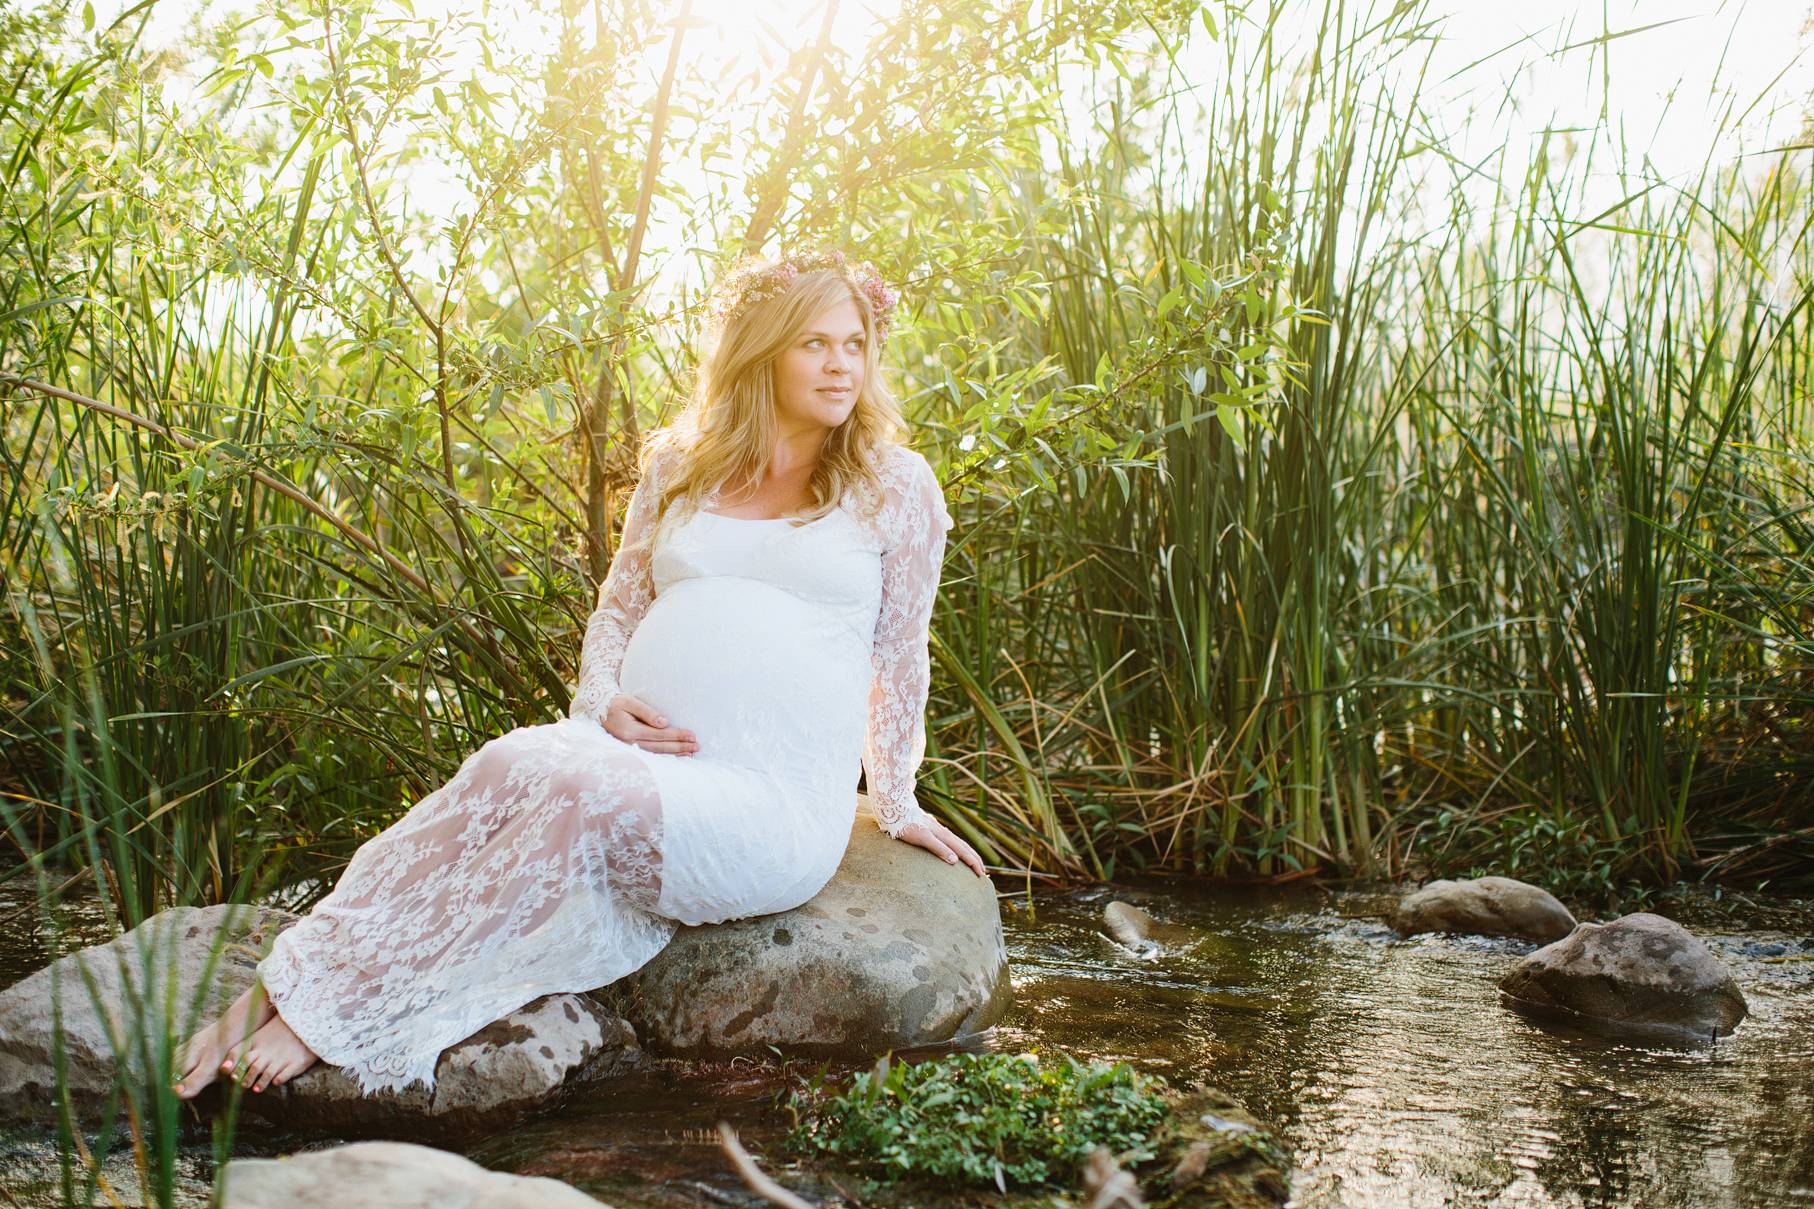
(1487, 906)
(395, 1175)
(1642, 977)
(899, 949)
(113, 999)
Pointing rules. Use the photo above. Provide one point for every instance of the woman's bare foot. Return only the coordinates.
(202, 1055)
(273, 1056)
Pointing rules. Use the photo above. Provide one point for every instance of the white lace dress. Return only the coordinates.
(560, 859)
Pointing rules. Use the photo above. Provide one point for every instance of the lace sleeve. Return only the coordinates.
(623, 598)
(913, 526)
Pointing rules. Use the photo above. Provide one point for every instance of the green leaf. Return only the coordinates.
(1231, 424)
(223, 80)
(41, 304)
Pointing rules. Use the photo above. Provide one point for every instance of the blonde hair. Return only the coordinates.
(726, 432)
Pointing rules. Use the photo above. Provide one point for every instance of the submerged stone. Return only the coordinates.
(1487, 906)
(1133, 928)
(1129, 926)
(1211, 1154)
(899, 949)
(393, 1174)
(1643, 977)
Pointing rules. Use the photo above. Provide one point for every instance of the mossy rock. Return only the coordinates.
(1211, 1154)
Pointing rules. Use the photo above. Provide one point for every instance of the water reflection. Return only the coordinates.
(1401, 1081)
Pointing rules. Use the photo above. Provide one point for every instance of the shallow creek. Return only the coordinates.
(1398, 1078)
(1389, 1066)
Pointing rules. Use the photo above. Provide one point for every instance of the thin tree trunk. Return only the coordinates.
(598, 416)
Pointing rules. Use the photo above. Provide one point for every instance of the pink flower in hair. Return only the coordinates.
(751, 281)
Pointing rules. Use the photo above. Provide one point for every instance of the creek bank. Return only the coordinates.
(1487, 906)
(395, 1175)
(1643, 977)
(898, 950)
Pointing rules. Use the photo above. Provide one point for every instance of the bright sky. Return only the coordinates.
(1701, 55)
(1707, 81)
(1705, 62)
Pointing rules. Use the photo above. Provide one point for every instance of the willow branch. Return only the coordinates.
(773, 193)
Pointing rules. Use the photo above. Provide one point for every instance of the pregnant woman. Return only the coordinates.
(762, 633)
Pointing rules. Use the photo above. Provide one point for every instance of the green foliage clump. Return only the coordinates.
(984, 1118)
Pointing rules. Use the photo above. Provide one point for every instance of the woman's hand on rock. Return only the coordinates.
(943, 843)
(638, 723)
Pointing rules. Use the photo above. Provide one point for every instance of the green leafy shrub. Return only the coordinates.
(984, 1118)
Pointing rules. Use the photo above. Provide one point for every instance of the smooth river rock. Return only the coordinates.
(395, 1175)
(505, 1073)
(899, 949)
(1130, 927)
(1643, 977)
(1488, 906)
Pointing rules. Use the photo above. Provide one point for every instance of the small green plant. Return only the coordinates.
(985, 1118)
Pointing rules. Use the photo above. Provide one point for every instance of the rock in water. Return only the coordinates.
(209, 953)
(1642, 976)
(1489, 906)
(508, 1072)
(504, 1073)
(899, 949)
(1130, 927)
(393, 1174)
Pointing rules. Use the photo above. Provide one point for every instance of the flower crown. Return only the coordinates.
(752, 280)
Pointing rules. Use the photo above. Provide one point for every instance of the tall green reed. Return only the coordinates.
(119, 1094)
(1502, 554)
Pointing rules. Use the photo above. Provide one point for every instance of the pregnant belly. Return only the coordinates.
(766, 680)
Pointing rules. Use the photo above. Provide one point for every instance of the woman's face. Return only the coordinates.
(819, 374)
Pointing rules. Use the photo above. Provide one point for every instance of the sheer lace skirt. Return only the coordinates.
(536, 869)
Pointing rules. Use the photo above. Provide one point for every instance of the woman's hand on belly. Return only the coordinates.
(943, 843)
(639, 724)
